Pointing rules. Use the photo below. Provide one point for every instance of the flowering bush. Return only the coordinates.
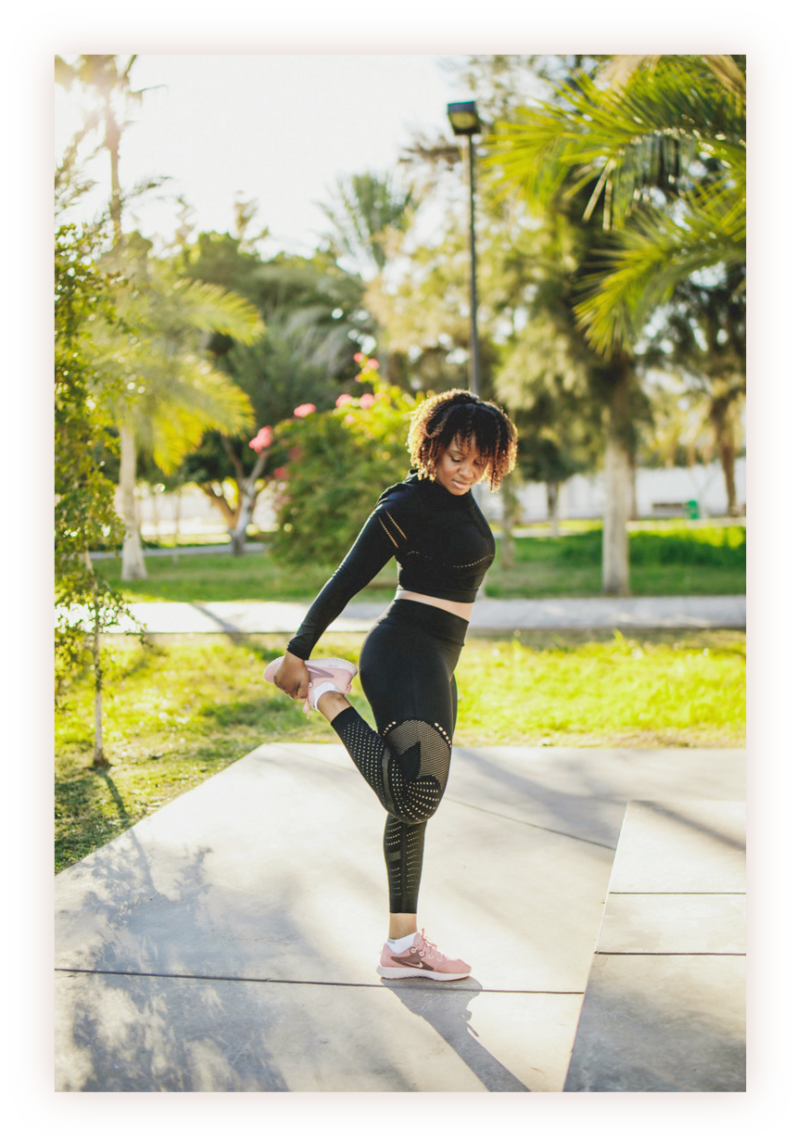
(262, 440)
(338, 463)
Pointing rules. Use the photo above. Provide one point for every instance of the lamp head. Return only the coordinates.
(464, 118)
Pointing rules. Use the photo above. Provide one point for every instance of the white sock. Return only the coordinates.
(400, 945)
(318, 690)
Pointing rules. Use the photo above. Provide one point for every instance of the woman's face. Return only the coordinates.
(459, 466)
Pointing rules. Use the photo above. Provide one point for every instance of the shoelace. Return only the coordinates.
(428, 948)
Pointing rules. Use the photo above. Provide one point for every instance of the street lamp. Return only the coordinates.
(464, 120)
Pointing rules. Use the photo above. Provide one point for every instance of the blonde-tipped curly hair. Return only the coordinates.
(459, 414)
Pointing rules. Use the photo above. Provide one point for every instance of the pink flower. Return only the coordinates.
(359, 357)
(262, 440)
(304, 409)
(366, 401)
(373, 363)
(281, 473)
(359, 377)
(344, 399)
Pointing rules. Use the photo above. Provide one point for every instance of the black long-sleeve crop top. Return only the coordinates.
(442, 543)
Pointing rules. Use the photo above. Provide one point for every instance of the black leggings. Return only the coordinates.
(406, 665)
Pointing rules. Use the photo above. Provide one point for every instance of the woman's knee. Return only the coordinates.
(417, 767)
(409, 794)
(419, 800)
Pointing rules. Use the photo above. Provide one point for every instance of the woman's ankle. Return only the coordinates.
(331, 704)
(402, 924)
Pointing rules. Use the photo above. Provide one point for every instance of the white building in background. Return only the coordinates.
(658, 492)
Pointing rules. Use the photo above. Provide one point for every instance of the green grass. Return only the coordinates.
(665, 560)
(221, 577)
(179, 709)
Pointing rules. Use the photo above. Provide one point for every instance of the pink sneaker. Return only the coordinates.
(423, 958)
(339, 672)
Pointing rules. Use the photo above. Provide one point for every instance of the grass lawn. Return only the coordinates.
(665, 560)
(181, 708)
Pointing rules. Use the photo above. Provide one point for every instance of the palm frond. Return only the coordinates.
(172, 421)
(629, 138)
(729, 74)
(651, 255)
(205, 307)
(173, 397)
(179, 427)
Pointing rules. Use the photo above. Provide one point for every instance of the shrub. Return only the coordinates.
(339, 462)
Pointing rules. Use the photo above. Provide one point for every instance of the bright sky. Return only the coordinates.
(276, 128)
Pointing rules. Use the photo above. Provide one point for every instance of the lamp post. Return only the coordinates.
(464, 120)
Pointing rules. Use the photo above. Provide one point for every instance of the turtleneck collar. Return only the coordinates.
(434, 491)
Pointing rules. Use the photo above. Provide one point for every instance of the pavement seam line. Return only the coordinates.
(317, 983)
(528, 824)
(604, 952)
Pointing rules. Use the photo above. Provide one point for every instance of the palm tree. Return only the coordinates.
(109, 83)
(314, 321)
(366, 209)
(704, 334)
(173, 393)
(369, 215)
(659, 143)
(290, 364)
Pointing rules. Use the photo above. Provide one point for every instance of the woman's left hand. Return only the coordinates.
(292, 677)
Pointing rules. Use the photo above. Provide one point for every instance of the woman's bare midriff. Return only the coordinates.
(459, 608)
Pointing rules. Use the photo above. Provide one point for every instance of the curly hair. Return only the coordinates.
(461, 415)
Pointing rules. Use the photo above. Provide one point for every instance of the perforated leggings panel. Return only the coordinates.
(406, 767)
(406, 667)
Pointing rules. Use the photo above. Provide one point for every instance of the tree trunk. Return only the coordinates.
(238, 539)
(112, 143)
(247, 505)
(553, 490)
(723, 434)
(616, 573)
(634, 510)
(177, 524)
(511, 514)
(156, 513)
(248, 493)
(98, 757)
(229, 513)
(133, 568)
(393, 368)
(99, 760)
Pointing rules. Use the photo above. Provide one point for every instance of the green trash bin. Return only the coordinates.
(692, 510)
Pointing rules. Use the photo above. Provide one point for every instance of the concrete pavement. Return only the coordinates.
(202, 950)
(228, 942)
(489, 614)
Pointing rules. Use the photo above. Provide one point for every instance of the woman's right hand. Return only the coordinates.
(292, 677)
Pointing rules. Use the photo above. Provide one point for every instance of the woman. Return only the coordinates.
(443, 545)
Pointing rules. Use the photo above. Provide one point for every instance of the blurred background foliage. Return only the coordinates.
(610, 230)
(610, 233)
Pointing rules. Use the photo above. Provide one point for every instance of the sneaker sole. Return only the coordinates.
(413, 973)
(333, 662)
(337, 663)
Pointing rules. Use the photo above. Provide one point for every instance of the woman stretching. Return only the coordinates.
(443, 546)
